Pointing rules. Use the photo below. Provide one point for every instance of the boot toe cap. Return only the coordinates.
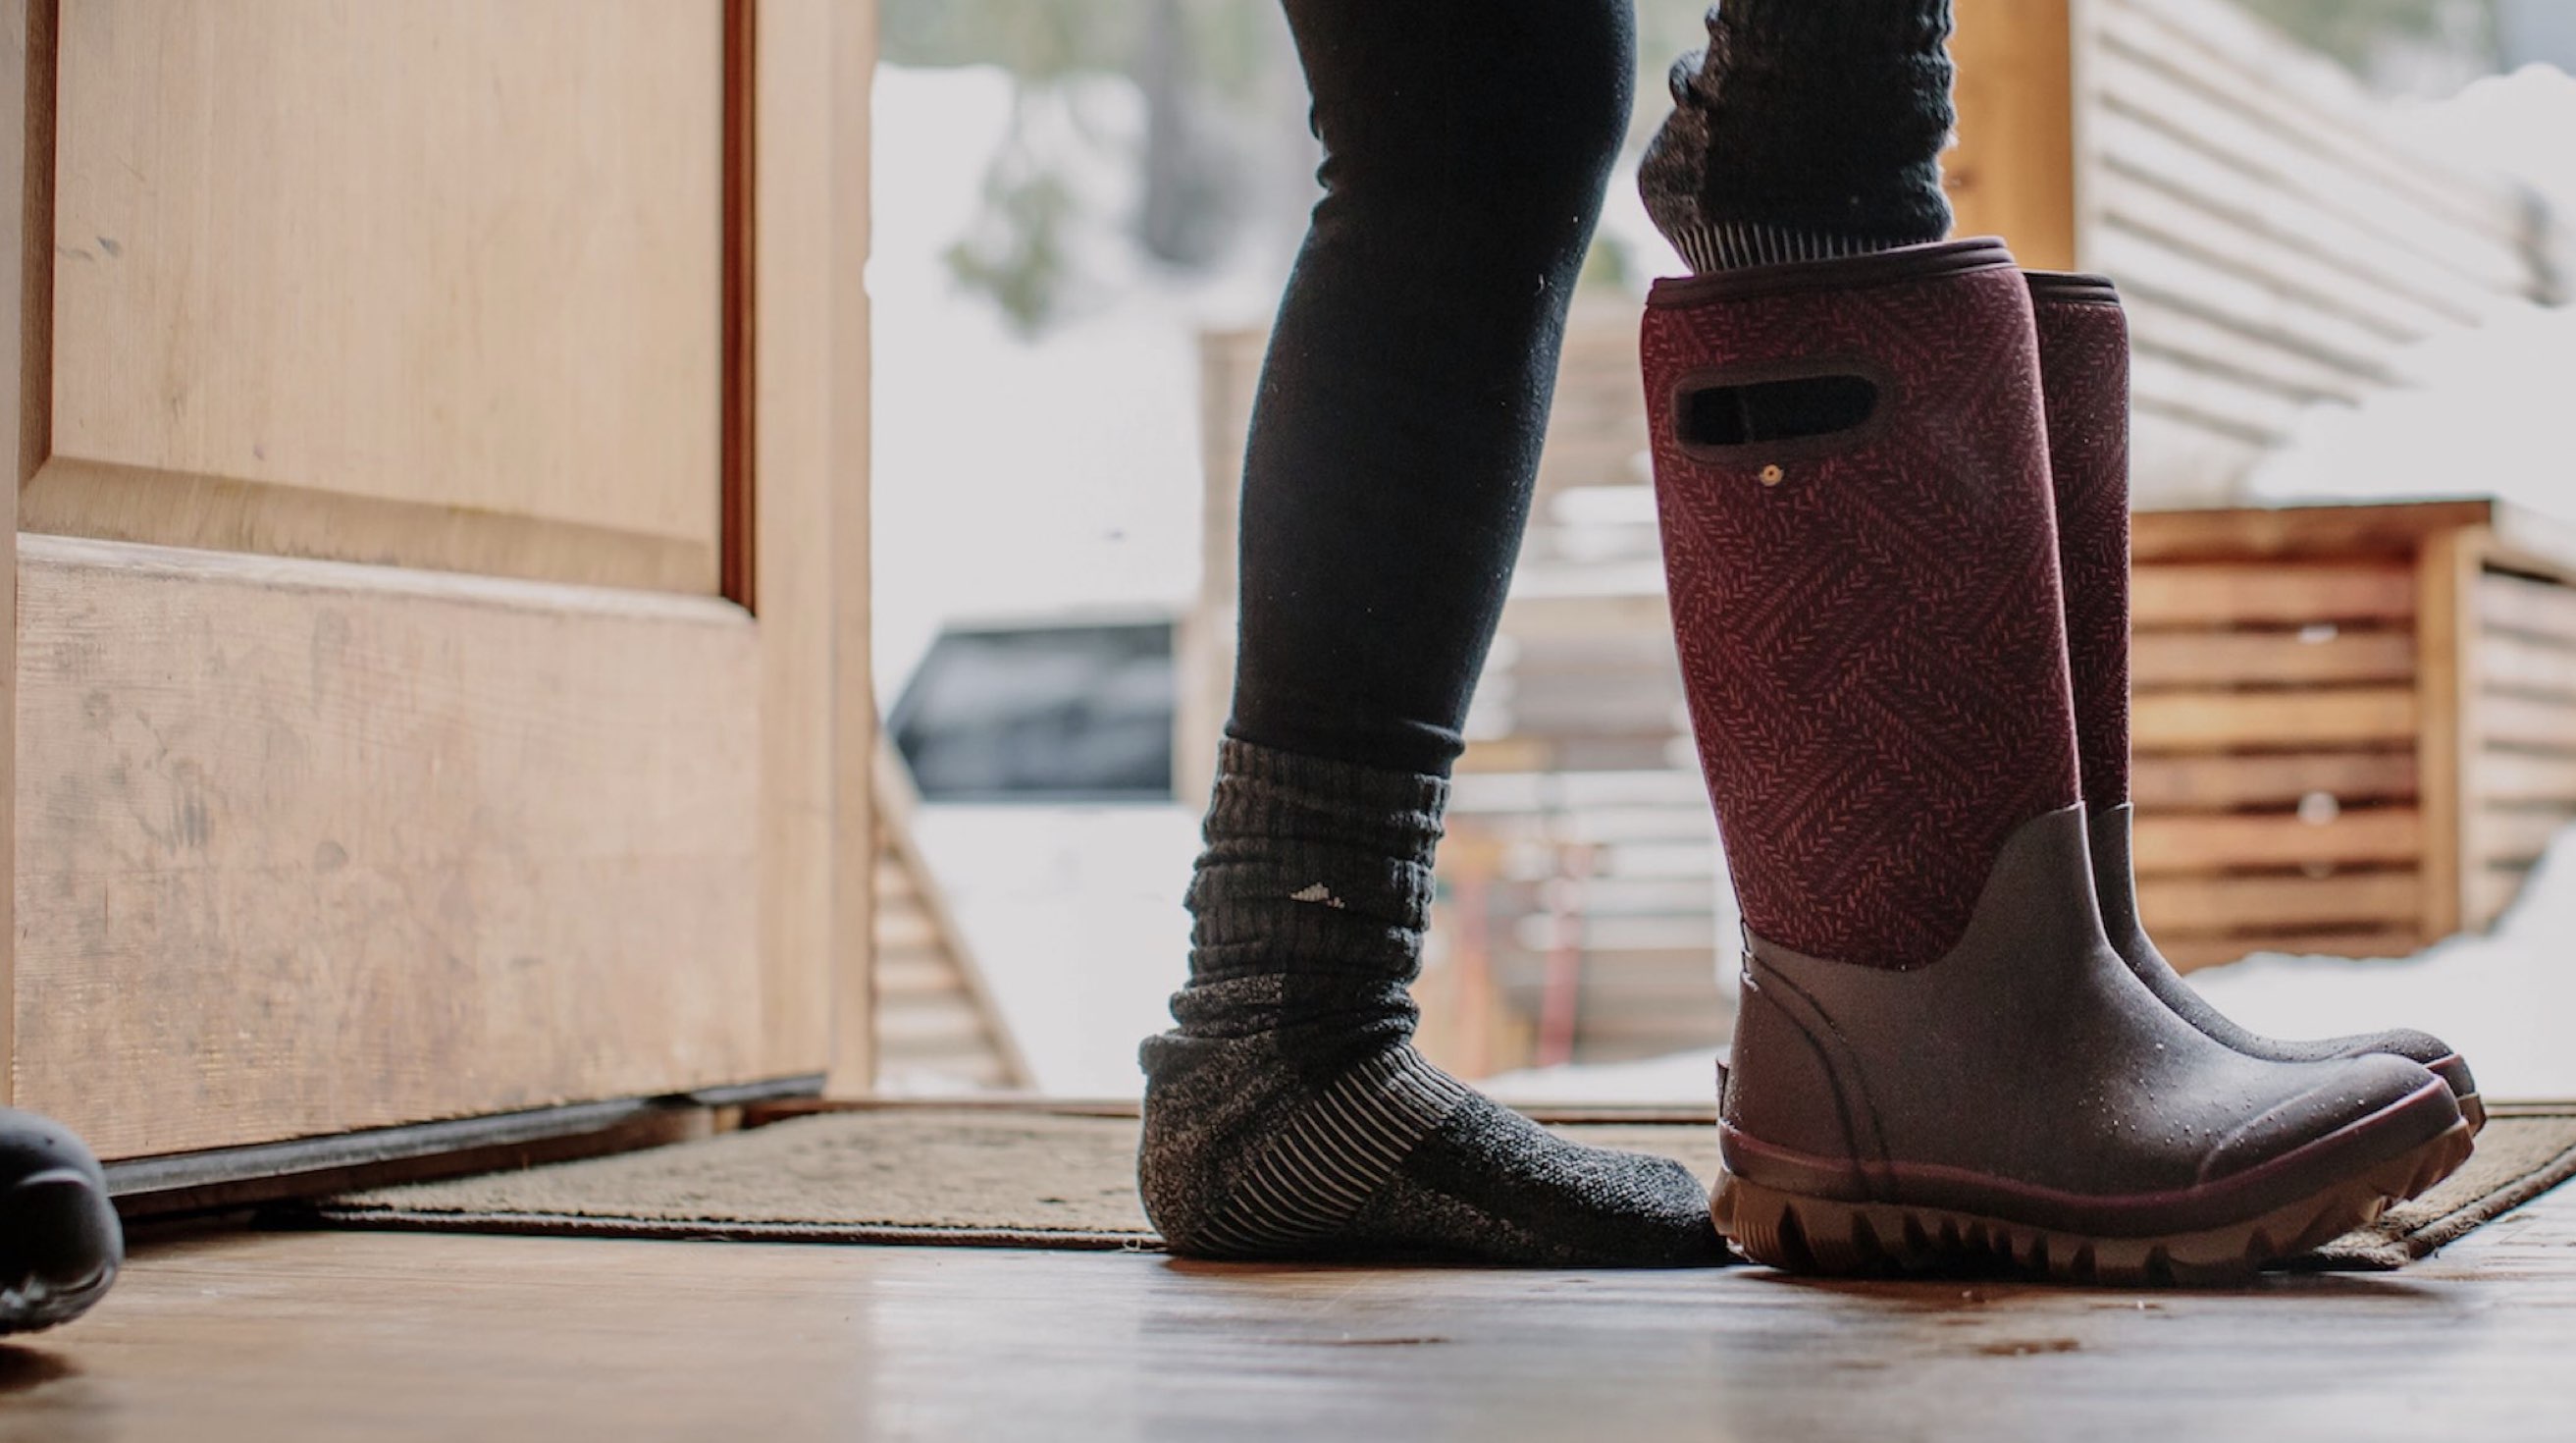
(2421, 1048)
(2352, 1112)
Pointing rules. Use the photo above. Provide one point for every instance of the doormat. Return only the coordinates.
(996, 1177)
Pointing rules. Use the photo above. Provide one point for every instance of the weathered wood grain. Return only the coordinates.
(2176, 721)
(2192, 905)
(2327, 656)
(311, 847)
(2202, 595)
(2273, 781)
(2375, 836)
(506, 304)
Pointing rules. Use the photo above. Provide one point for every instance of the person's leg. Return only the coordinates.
(1806, 130)
(1388, 477)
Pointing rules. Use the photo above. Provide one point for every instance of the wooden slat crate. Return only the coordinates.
(2354, 726)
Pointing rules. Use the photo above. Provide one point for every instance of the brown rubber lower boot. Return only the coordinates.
(1939, 1060)
(2084, 379)
(2026, 1099)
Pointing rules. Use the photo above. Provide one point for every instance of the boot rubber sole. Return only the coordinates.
(1868, 1239)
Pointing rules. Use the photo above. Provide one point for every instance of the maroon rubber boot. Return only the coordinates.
(2084, 378)
(1938, 1056)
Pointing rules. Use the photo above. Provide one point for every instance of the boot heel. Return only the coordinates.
(1801, 1234)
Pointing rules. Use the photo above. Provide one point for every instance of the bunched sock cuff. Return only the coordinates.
(1733, 245)
(1834, 27)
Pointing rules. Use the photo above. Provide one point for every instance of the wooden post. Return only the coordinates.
(2012, 173)
(851, 943)
(2447, 743)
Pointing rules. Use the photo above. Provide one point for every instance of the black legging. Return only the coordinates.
(1397, 432)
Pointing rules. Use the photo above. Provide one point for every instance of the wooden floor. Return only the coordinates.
(284, 1336)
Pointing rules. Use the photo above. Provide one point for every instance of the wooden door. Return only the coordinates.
(440, 557)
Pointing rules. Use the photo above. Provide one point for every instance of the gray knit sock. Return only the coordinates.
(1288, 1114)
(1806, 130)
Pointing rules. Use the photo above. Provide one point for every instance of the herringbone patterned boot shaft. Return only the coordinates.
(1869, 623)
(2084, 374)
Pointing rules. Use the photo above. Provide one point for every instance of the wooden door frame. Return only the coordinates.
(808, 506)
(26, 187)
(796, 482)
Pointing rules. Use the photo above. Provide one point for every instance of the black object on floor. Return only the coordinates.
(60, 1243)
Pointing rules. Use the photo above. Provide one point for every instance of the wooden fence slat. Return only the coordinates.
(2160, 149)
(2290, 92)
(2534, 608)
(906, 927)
(956, 1028)
(2190, 954)
(2178, 659)
(2215, 720)
(2143, 253)
(2393, 530)
(942, 1027)
(2518, 835)
(2282, 361)
(2168, 209)
(2517, 665)
(2526, 723)
(2250, 186)
(2375, 836)
(2160, 380)
(2218, 594)
(2241, 783)
(2203, 905)
(2523, 777)
(916, 974)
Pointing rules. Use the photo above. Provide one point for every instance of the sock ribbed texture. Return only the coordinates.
(1806, 130)
(1288, 1115)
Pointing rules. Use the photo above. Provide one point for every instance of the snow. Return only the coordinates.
(2517, 124)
